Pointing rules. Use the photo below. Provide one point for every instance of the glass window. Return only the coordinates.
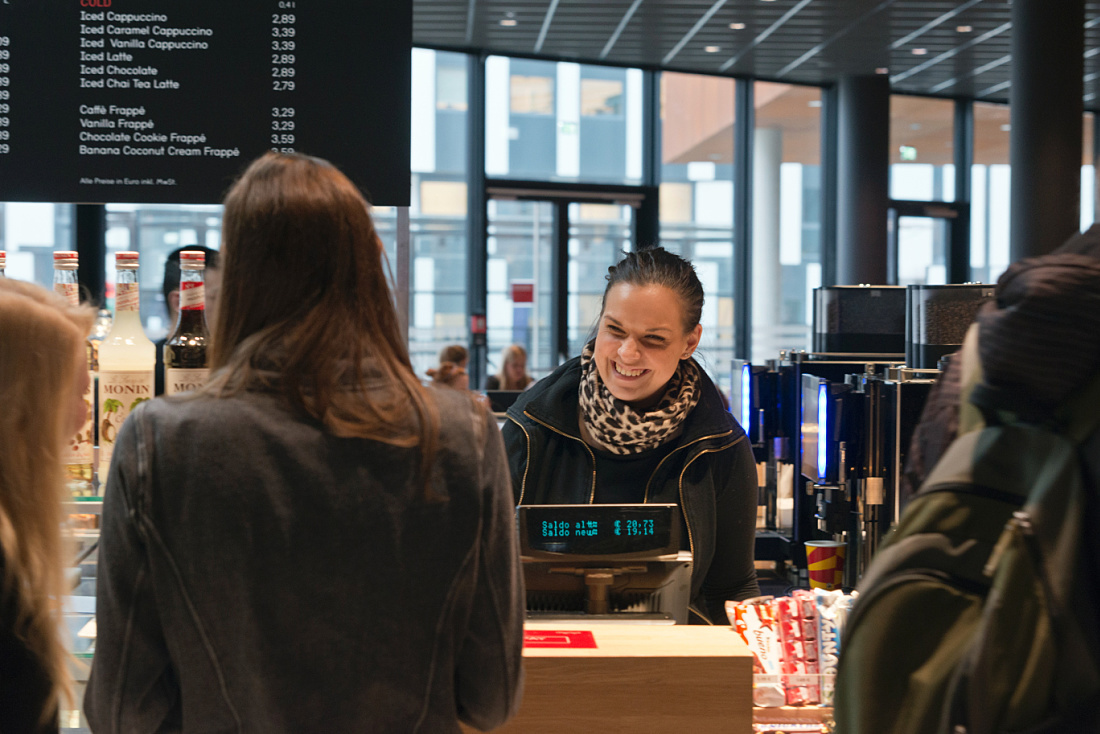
(601, 97)
(786, 238)
(437, 215)
(531, 95)
(520, 249)
(922, 141)
(922, 250)
(561, 121)
(599, 234)
(450, 81)
(29, 233)
(696, 199)
(990, 195)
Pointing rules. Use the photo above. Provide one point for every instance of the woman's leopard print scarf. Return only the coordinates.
(620, 429)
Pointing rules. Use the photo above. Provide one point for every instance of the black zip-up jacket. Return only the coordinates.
(710, 473)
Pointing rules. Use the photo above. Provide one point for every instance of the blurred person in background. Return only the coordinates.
(314, 541)
(451, 372)
(43, 377)
(512, 374)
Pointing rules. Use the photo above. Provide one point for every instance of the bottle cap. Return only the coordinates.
(126, 259)
(192, 259)
(65, 259)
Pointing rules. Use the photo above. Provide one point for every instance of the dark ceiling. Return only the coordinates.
(952, 49)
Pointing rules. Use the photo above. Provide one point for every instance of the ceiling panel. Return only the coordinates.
(949, 49)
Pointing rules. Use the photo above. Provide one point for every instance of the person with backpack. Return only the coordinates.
(1061, 360)
(980, 612)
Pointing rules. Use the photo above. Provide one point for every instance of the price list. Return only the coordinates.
(167, 101)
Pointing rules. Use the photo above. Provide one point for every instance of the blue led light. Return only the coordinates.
(822, 428)
(746, 398)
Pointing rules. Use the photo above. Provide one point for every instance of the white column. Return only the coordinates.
(634, 115)
(766, 271)
(423, 110)
(497, 109)
(569, 120)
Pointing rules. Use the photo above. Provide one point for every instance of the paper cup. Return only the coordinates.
(825, 560)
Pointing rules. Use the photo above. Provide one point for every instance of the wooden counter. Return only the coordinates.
(638, 679)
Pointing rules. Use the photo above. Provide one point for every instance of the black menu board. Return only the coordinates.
(168, 100)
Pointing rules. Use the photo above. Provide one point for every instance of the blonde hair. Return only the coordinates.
(307, 310)
(510, 354)
(41, 344)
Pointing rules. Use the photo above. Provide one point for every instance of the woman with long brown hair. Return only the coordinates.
(43, 375)
(314, 542)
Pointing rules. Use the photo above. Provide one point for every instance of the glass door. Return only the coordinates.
(599, 234)
(926, 243)
(520, 249)
(547, 262)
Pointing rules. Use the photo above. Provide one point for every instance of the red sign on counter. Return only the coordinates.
(555, 638)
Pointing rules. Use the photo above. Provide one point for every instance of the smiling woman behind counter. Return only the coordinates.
(635, 419)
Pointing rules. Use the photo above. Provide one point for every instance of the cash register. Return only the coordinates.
(618, 563)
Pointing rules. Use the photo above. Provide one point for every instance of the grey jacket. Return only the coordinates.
(258, 574)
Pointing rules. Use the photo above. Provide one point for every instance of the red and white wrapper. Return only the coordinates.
(755, 620)
(800, 669)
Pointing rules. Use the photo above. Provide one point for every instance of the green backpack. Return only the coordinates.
(979, 613)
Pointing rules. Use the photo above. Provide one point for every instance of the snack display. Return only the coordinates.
(795, 641)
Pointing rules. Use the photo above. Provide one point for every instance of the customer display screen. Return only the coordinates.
(598, 530)
(167, 101)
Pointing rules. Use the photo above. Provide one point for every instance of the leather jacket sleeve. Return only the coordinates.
(488, 670)
(132, 665)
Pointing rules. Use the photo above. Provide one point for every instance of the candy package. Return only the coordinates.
(755, 621)
(832, 611)
(798, 637)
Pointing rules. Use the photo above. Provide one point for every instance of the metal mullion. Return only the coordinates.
(559, 316)
(744, 120)
(476, 213)
(828, 184)
(958, 254)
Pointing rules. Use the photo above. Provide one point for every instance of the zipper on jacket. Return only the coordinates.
(687, 522)
(670, 453)
(526, 464)
(592, 456)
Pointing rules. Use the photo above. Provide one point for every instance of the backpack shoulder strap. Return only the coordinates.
(1081, 412)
